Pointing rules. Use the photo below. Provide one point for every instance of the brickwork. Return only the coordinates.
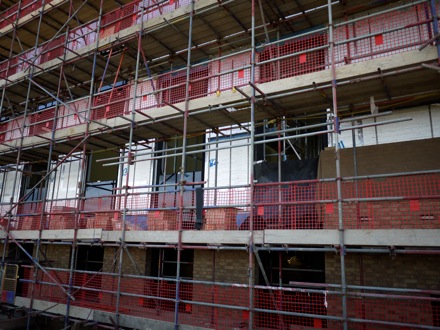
(53, 256)
(162, 220)
(220, 219)
(110, 262)
(221, 266)
(139, 257)
(401, 271)
(415, 204)
(203, 265)
(62, 218)
(230, 266)
(58, 256)
(111, 254)
(104, 220)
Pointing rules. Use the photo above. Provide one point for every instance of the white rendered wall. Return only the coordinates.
(435, 119)
(140, 174)
(231, 164)
(424, 124)
(226, 167)
(63, 183)
(7, 181)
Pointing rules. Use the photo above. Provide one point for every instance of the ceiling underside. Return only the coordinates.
(217, 31)
(304, 108)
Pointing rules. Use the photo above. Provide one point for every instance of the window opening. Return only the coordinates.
(164, 265)
(283, 269)
(90, 259)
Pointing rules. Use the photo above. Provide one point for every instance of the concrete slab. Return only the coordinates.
(68, 234)
(320, 237)
(140, 322)
(302, 237)
(170, 236)
(24, 234)
(394, 237)
(56, 308)
(354, 237)
(220, 237)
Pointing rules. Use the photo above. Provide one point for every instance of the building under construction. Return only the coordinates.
(220, 164)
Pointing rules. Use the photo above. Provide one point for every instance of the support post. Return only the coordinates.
(183, 169)
(338, 165)
(251, 174)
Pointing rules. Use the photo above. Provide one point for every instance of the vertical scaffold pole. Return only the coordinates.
(14, 36)
(435, 27)
(183, 168)
(31, 70)
(338, 164)
(127, 173)
(83, 175)
(48, 169)
(251, 173)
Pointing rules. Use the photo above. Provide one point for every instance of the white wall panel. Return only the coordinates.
(7, 182)
(231, 165)
(227, 167)
(63, 182)
(139, 174)
(435, 116)
(421, 126)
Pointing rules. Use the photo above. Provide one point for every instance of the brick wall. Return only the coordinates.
(401, 271)
(58, 255)
(220, 266)
(139, 257)
(111, 261)
(55, 256)
(229, 266)
(129, 285)
(404, 214)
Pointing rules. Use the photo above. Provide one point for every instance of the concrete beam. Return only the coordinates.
(395, 237)
(128, 321)
(171, 236)
(56, 308)
(25, 234)
(220, 237)
(321, 237)
(68, 234)
(302, 237)
(356, 237)
(134, 322)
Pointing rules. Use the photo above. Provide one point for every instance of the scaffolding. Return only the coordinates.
(182, 163)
